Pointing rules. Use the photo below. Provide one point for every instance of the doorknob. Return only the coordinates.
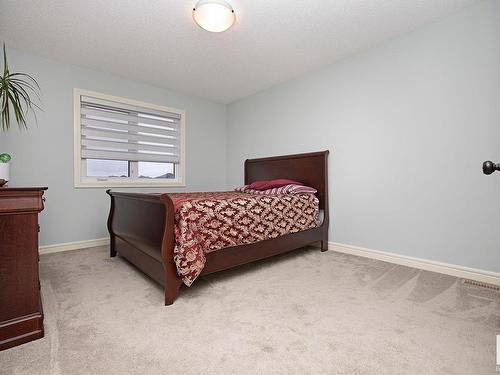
(489, 167)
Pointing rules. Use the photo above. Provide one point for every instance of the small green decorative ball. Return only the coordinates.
(5, 158)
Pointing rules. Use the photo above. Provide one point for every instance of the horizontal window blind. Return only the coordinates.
(116, 131)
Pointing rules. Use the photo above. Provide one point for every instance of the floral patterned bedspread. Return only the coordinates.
(206, 222)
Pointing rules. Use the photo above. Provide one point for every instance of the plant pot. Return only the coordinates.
(4, 172)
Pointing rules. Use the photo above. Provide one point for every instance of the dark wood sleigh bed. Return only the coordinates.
(141, 225)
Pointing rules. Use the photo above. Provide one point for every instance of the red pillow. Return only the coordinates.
(265, 185)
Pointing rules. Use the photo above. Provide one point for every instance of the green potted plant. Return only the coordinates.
(4, 168)
(16, 92)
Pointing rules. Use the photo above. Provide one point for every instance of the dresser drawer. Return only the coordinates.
(17, 201)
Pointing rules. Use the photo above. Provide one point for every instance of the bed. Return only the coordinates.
(142, 225)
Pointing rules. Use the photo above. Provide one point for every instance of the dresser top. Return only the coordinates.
(22, 188)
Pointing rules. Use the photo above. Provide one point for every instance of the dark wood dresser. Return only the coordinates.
(21, 315)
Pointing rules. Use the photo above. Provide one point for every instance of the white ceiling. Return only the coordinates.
(157, 42)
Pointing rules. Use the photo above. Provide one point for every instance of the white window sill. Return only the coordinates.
(92, 183)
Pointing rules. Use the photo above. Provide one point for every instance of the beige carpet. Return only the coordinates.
(303, 313)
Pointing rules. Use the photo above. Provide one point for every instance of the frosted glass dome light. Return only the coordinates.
(214, 15)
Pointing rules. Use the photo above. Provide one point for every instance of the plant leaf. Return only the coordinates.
(5, 67)
(16, 92)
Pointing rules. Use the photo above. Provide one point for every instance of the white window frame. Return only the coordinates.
(81, 181)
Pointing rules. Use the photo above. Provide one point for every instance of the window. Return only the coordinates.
(120, 142)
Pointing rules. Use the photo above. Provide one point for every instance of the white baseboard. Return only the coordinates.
(423, 264)
(67, 246)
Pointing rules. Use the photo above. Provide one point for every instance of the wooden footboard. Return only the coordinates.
(141, 229)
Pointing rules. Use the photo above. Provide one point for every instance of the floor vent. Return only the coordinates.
(481, 284)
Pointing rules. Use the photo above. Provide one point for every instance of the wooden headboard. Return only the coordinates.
(310, 169)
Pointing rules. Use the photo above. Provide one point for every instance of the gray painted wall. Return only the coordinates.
(44, 154)
(409, 124)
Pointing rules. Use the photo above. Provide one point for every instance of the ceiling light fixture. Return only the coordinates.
(214, 15)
